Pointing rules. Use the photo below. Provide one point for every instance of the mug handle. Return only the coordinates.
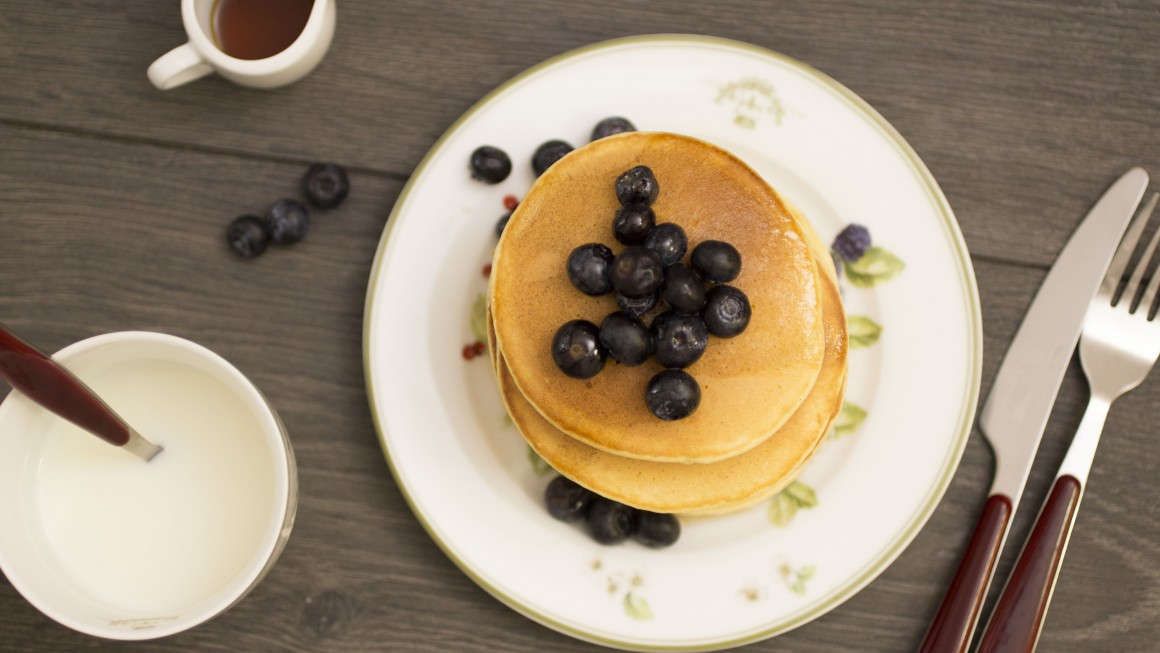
(179, 66)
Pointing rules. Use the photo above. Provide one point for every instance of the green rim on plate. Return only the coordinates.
(966, 414)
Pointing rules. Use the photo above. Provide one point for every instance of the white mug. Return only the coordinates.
(201, 55)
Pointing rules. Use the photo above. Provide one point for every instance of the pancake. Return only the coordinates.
(711, 195)
(717, 487)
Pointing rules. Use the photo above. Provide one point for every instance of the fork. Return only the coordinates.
(1119, 345)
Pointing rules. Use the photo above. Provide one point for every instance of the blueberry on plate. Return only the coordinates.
(727, 311)
(637, 272)
(852, 242)
(490, 164)
(501, 224)
(589, 267)
(672, 394)
(637, 306)
(610, 126)
(625, 338)
(717, 261)
(325, 185)
(637, 186)
(287, 221)
(247, 236)
(577, 351)
(656, 530)
(683, 290)
(566, 500)
(547, 154)
(679, 339)
(610, 522)
(668, 241)
(633, 223)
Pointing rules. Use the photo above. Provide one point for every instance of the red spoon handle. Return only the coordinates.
(1018, 617)
(954, 623)
(44, 381)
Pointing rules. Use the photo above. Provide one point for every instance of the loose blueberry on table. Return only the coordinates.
(490, 164)
(611, 126)
(287, 221)
(325, 185)
(547, 154)
(247, 236)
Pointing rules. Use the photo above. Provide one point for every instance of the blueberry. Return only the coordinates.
(656, 530)
(589, 267)
(727, 311)
(501, 224)
(683, 289)
(610, 126)
(610, 522)
(637, 272)
(247, 236)
(633, 223)
(637, 305)
(637, 186)
(325, 185)
(668, 241)
(717, 261)
(852, 242)
(547, 154)
(490, 164)
(680, 339)
(287, 221)
(566, 500)
(672, 394)
(625, 338)
(577, 351)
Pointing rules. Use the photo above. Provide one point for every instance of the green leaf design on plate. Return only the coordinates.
(849, 419)
(636, 607)
(803, 494)
(785, 504)
(875, 266)
(863, 331)
(806, 572)
(479, 318)
(782, 509)
(795, 579)
(539, 465)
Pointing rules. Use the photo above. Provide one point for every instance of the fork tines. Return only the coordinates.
(1121, 286)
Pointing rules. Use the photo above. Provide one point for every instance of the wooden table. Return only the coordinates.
(114, 197)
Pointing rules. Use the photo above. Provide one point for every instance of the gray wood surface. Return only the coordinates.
(113, 197)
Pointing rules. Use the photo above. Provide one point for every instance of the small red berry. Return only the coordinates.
(478, 348)
(510, 202)
(468, 352)
(487, 270)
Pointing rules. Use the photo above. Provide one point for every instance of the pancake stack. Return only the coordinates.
(769, 395)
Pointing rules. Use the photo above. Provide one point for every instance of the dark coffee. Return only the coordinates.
(256, 29)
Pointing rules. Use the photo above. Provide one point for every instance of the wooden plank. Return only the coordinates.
(1024, 111)
(100, 235)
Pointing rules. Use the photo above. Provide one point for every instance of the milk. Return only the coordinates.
(154, 538)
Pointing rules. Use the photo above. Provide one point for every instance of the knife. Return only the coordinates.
(1021, 398)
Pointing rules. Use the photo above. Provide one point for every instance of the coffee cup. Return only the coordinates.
(203, 54)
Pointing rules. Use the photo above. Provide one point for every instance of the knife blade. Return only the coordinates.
(1016, 411)
(1021, 398)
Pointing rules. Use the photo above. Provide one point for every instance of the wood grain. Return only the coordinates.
(114, 197)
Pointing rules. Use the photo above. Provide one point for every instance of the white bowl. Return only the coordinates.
(114, 547)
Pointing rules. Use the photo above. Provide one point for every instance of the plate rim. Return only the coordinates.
(901, 541)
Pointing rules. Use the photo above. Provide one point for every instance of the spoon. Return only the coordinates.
(49, 384)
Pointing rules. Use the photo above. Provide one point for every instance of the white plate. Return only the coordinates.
(729, 580)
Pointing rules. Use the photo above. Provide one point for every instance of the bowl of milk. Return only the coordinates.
(115, 547)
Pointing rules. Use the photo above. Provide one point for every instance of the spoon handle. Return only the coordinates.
(52, 386)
